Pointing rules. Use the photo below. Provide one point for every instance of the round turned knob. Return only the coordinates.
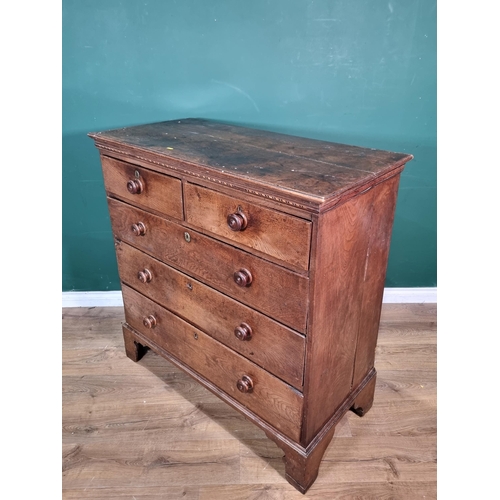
(237, 221)
(149, 321)
(245, 384)
(243, 332)
(139, 229)
(242, 277)
(135, 186)
(145, 276)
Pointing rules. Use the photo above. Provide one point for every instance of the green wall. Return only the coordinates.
(356, 71)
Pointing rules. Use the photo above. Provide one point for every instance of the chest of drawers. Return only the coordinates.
(255, 262)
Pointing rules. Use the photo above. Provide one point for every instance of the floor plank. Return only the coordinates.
(147, 431)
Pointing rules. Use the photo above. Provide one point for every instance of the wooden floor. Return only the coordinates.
(147, 431)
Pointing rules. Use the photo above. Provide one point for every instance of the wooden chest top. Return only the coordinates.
(310, 174)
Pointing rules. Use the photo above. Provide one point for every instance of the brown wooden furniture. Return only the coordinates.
(255, 262)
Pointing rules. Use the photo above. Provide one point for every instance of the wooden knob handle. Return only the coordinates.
(139, 229)
(145, 276)
(243, 332)
(245, 384)
(237, 221)
(149, 321)
(243, 277)
(135, 186)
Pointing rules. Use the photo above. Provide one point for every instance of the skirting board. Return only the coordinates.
(114, 298)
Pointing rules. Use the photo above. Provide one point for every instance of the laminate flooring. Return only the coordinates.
(146, 430)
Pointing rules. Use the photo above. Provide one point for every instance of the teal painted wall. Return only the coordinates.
(356, 71)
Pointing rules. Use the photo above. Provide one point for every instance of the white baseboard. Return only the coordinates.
(114, 298)
(92, 299)
(410, 296)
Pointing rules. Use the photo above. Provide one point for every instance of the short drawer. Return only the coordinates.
(282, 236)
(267, 396)
(269, 288)
(142, 187)
(267, 343)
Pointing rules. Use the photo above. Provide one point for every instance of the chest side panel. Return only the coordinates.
(382, 218)
(340, 305)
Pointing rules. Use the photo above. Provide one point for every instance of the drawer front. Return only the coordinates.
(271, 345)
(284, 237)
(273, 290)
(270, 398)
(143, 188)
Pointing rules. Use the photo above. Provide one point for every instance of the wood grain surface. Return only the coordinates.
(338, 264)
(160, 193)
(271, 399)
(381, 208)
(314, 168)
(282, 236)
(275, 291)
(273, 346)
(148, 431)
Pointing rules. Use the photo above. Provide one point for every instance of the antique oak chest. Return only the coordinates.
(255, 262)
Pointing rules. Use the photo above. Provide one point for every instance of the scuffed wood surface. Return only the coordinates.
(147, 430)
(289, 165)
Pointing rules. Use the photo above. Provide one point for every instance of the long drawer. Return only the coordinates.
(271, 345)
(282, 236)
(143, 187)
(266, 396)
(269, 288)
